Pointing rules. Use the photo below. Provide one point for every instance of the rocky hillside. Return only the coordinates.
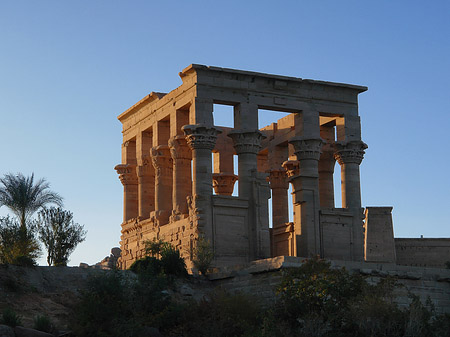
(53, 291)
(50, 291)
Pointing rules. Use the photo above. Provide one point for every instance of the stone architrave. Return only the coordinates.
(162, 162)
(146, 190)
(350, 155)
(306, 194)
(129, 180)
(182, 181)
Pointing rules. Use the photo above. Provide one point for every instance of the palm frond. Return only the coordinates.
(24, 197)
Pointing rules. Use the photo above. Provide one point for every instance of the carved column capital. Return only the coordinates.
(146, 168)
(223, 183)
(127, 174)
(246, 141)
(278, 179)
(292, 168)
(200, 136)
(350, 152)
(307, 148)
(179, 148)
(161, 160)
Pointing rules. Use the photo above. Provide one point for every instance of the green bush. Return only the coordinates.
(314, 300)
(222, 314)
(147, 265)
(161, 258)
(115, 304)
(315, 288)
(18, 244)
(203, 256)
(105, 307)
(43, 323)
(11, 285)
(9, 317)
(172, 263)
(440, 325)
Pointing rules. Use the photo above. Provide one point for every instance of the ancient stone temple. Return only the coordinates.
(178, 175)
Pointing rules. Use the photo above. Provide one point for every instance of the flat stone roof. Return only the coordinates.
(193, 67)
(358, 88)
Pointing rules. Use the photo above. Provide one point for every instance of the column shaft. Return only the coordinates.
(182, 181)
(350, 155)
(202, 139)
(162, 162)
(306, 194)
(280, 208)
(146, 187)
(326, 183)
(247, 144)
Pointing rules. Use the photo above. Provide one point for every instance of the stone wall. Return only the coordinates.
(260, 278)
(423, 252)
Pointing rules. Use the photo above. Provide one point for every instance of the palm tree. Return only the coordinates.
(24, 197)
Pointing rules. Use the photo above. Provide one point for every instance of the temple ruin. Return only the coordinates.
(178, 175)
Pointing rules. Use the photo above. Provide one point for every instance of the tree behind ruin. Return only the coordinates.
(59, 234)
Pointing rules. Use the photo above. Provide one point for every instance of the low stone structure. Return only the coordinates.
(423, 252)
(264, 276)
(178, 175)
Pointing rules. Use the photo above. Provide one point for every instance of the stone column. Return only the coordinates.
(326, 172)
(201, 139)
(247, 144)
(292, 171)
(306, 194)
(350, 155)
(326, 167)
(182, 180)
(162, 162)
(127, 175)
(146, 190)
(279, 185)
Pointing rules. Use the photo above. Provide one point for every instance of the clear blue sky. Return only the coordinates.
(68, 68)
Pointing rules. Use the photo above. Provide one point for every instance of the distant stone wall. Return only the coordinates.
(260, 279)
(423, 252)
